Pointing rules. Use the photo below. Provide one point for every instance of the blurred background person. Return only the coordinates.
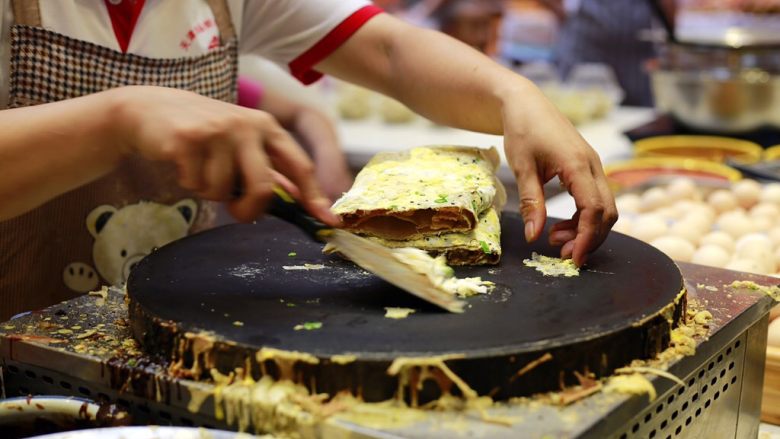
(474, 22)
(604, 31)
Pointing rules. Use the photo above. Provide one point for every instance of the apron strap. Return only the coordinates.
(221, 13)
(26, 12)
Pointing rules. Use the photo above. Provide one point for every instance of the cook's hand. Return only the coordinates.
(333, 175)
(540, 143)
(214, 145)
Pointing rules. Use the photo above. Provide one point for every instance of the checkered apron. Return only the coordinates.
(49, 254)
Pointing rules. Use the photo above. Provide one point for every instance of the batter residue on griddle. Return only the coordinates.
(304, 267)
(392, 312)
(550, 266)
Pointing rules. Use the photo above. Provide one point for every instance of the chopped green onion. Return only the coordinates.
(308, 326)
(292, 254)
(485, 247)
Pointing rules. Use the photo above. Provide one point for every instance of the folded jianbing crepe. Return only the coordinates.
(480, 246)
(422, 192)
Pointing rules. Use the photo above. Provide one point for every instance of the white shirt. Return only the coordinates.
(279, 30)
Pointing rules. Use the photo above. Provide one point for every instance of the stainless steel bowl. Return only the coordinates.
(716, 88)
(719, 101)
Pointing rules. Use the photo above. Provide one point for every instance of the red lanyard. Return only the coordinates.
(124, 14)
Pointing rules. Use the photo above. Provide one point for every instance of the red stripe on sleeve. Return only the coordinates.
(302, 67)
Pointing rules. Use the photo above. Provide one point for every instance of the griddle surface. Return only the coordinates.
(235, 273)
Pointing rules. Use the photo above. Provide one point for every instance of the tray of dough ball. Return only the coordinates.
(733, 225)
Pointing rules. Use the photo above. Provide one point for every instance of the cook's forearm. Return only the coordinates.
(50, 149)
(463, 88)
(442, 79)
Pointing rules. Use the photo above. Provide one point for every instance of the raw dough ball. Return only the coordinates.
(753, 242)
(747, 192)
(777, 260)
(687, 230)
(674, 247)
(765, 209)
(771, 193)
(762, 223)
(774, 235)
(757, 248)
(775, 311)
(722, 200)
(669, 212)
(354, 103)
(703, 223)
(653, 198)
(647, 227)
(773, 334)
(682, 188)
(623, 225)
(701, 215)
(746, 265)
(395, 112)
(719, 238)
(627, 203)
(685, 205)
(736, 223)
(712, 255)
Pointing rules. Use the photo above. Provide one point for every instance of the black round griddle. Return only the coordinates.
(591, 323)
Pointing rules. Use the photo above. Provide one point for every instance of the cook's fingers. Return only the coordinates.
(256, 180)
(610, 215)
(189, 166)
(532, 207)
(564, 233)
(569, 224)
(289, 159)
(591, 210)
(567, 249)
(286, 184)
(218, 175)
(562, 236)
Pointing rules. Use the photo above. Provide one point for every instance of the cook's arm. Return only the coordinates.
(450, 83)
(50, 149)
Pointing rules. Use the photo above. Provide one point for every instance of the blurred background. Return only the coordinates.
(709, 64)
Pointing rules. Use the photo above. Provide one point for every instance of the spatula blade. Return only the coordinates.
(380, 261)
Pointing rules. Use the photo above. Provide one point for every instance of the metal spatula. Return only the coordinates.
(369, 255)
